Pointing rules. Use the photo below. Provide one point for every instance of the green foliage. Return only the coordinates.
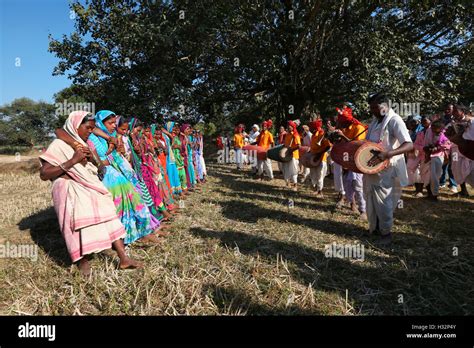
(26, 122)
(246, 61)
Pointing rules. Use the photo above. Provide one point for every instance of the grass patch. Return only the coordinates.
(240, 250)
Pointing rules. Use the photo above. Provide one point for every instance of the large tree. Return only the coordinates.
(239, 61)
(26, 122)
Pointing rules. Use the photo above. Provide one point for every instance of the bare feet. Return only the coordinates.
(150, 239)
(128, 263)
(161, 233)
(84, 267)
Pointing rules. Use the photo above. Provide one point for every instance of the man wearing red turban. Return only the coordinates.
(238, 145)
(292, 140)
(265, 140)
(349, 128)
(319, 147)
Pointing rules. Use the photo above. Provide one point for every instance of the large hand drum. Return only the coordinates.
(259, 150)
(355, 155)
(280, 153)
(311, 160)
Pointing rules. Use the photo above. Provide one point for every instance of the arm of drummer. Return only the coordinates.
(400, 132)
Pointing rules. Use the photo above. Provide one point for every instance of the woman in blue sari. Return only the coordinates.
(123, 184)
(171, 168)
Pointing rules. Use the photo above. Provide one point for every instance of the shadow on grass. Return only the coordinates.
(251, 213)
(374, 284)
(231, 300)
(452, 217)
(44, 230)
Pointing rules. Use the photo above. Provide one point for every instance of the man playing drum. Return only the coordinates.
(349, 128)
(383, 190)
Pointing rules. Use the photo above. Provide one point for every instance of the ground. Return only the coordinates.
(239, 248)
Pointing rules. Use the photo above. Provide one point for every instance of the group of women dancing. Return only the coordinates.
(118, 181)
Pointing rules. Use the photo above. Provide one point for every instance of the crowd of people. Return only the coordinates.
(118, 181)
(419, 154)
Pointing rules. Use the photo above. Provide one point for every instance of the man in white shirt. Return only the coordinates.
(383, 190)
(252, 140)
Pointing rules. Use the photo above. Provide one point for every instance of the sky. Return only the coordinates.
(24, 29)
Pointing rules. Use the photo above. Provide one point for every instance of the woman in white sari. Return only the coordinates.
(84, 207)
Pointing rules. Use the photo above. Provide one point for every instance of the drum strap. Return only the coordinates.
(365, 130)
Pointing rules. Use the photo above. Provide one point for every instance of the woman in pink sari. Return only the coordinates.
(83, 205)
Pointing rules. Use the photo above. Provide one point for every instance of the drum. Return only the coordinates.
(280, 153)
(355, 155)
(466, 147)
(302, 150)
(312, 160)
(260, 151)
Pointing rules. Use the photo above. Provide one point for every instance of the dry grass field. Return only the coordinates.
(239, 249)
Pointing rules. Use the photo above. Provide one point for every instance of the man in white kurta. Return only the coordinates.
(383, 190)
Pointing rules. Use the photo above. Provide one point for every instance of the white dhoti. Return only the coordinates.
(462, 167)
(338, 179)
(265, 166)
(317, 175)
(290, 171)
(306, 172)
(382, 192)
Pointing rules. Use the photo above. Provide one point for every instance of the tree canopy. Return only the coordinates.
(238, 61)
(26, 122)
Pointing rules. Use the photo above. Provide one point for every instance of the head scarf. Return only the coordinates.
(239, 127)
(72, 125)
(99, 120)
(293, 124)
(316, 125)
(117, 121)
(268, 124)
(345, 115)
(169, 126)
(255, 126)
(184, 127)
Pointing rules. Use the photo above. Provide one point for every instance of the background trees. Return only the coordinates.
(237, 61)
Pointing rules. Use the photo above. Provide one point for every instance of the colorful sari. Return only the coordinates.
(124, 187)
(147, 178)
(83, 205)
(151, 165)
(180, 163)
(171, 168)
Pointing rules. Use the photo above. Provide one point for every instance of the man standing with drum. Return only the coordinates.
(383, 190)
(350, 129)
(292, 141)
